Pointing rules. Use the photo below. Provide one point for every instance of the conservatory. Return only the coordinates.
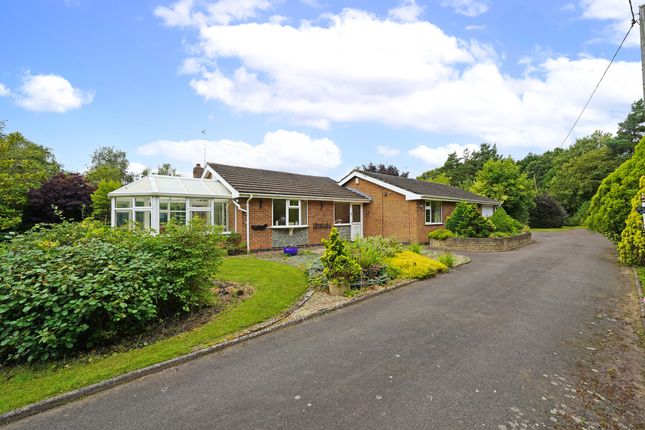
(152, 201)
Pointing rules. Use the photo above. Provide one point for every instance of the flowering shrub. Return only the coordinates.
(409, 265)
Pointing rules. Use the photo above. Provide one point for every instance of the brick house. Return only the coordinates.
(271, 209)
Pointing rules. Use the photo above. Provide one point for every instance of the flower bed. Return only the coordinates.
(481, 243)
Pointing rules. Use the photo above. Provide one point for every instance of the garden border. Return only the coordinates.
(478, 244)
(639, 289)
(248, 334)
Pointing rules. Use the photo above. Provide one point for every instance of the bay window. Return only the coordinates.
(433, 212)
(289, 212)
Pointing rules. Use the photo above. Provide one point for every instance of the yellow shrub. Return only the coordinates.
(409, 265)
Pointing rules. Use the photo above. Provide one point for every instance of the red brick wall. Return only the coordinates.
(422, 229)
(260, 214)
(319, 213)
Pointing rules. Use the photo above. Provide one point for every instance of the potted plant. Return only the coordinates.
(339, 267)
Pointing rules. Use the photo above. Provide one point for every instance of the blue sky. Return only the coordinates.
(312, 86)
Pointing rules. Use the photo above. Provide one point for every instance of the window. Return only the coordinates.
(205, 215)
(142, 219)
(356, 213)
(289, 212)
(144, 202)
(172, 209)
(341, 213)
(123, 218)
(199, 203)
(220, 214)
(123, 202)
(433, 212)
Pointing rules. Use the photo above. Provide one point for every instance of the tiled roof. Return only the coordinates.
(259, 181)
(430, 189)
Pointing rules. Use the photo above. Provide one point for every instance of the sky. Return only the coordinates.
(311, 86)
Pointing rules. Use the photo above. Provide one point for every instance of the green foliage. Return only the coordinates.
(414, 247)
(440, 234)
(109, 163)
(101, 206)
(23, 166)
(233, 243)
(390, 169)
(72, 286)
(547, 213)
(166, 169)
(371, 253)
(631, 248)
(503, 181)
(467, 221)
(461, 171)
(338, 265)
(447, 259)
(409, 265)
(580, 217)
(505, 223)
(610, 206)
(316, 278)
(630, 131)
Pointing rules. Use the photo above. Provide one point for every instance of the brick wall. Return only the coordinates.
(388, 214)
(482, 244)
(319, 213)
(260, 214)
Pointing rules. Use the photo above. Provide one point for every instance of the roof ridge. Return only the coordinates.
(267, 170)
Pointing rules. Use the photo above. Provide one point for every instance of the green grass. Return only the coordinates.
(563, 228)
(277, 286)
(641, 276)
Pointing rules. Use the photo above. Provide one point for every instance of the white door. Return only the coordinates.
(356, 215)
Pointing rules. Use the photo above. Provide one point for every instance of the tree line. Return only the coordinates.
(34, 187)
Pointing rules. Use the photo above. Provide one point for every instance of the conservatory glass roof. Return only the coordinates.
(157, 185)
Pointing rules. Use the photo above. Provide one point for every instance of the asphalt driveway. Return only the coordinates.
(492, 345)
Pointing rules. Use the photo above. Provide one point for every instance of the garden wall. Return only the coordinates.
(481, 244)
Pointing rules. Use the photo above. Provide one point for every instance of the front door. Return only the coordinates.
(356, 215)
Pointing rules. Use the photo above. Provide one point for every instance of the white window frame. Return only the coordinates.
(288, 205)
(428, 207)
(133, 209)
(168, 211)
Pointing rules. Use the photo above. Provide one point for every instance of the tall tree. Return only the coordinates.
(23, 165)
(502, 180)
(630, 131)
(63, 196)
(461, 171)
(110, 164)
(101, 206)
(390, 169)
(166, 169)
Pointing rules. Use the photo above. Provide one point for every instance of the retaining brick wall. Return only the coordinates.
(481, 244)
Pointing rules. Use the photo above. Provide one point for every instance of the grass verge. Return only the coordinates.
(563, 228)
(641, 275)
(277, 286)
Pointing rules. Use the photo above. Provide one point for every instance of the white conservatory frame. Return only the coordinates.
(145, 195)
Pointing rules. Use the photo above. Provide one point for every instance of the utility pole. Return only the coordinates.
(641, 21)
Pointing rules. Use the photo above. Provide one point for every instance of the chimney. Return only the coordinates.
(198, 170)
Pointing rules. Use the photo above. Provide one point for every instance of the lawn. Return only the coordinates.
(641, 276)
(566, 227)
(277, 286)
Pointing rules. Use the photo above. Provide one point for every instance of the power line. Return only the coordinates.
(601, 78)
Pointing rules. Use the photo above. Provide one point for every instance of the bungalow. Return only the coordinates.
(273, 209)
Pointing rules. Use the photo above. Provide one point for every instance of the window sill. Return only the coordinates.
(282, 227)
(342, 224)
(434, 223)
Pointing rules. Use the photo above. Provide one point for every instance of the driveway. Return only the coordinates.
(495, 344)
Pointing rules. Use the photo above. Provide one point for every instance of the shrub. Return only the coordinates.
(315, 276)
(611, 205)
(233, 243)
(447, 259)
(73, 286)
(547, 213)
(63, 196)
(440, 234)
(414, 247)
(631, 248)
(337, 263)
(467, 221)
(504, 222)
(580, 217)
(409, 265)
(500, 234)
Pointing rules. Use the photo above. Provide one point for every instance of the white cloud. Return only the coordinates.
(406, 11)
(51, 93)
(356, 67)
(4, 91)
(476, 27)
(136, 168)
(183, 13)
(616, 14)
(280, 150)
(387, 151)
(435, 157)
(470, 8)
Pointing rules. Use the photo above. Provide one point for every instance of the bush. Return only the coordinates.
(580, 217)
(504, 223)
(414, 247)
(74, 286)
(233, 243)
(631, 248)
(315, 276)
(338, 265)
(409, 265)
(610, 206)
(440, 234)
(447, 259)
(547, 213)
(468, 222)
